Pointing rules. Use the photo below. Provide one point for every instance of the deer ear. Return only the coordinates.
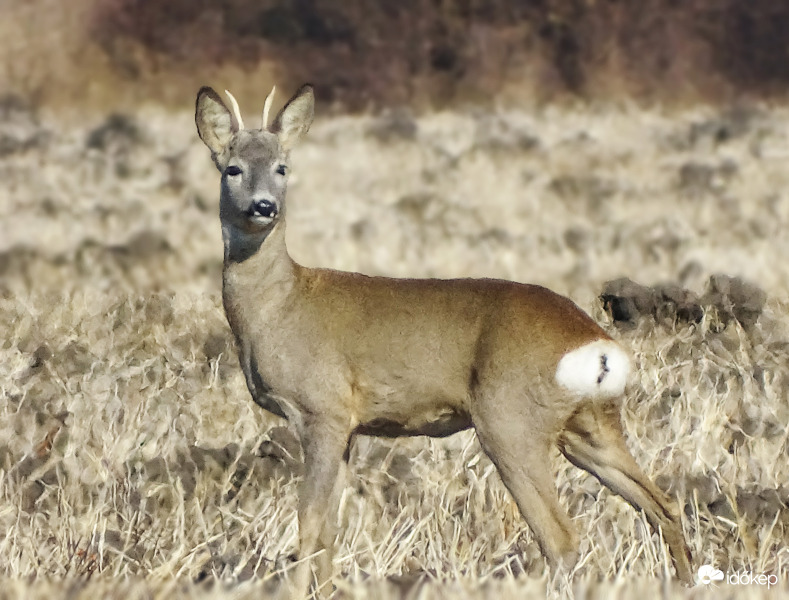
(215, 123)
(295, 118)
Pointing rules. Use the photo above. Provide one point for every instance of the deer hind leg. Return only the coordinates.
(593, 440)
(323, 444)
(522, 456)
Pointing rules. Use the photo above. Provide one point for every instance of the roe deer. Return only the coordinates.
(340, 354)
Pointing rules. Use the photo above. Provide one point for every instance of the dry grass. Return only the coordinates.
(133, 464)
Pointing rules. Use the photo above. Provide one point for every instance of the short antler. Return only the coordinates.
(267, 106)
(236, 110)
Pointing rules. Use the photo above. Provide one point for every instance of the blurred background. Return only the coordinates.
(569, 141)
(365, 55)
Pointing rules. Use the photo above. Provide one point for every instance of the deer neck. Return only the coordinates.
(257, 265)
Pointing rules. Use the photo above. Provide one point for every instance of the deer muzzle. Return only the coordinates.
(263, 208)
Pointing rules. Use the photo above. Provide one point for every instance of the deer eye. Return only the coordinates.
(232, 171)
(281, 170)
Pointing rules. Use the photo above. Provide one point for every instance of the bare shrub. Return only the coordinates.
(362, 54)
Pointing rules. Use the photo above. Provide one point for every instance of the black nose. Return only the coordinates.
(264, 208)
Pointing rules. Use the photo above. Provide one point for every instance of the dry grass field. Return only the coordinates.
(134, 465)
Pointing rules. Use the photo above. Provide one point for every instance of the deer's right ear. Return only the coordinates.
(215, 123)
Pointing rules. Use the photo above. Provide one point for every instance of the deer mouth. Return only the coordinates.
(263, 211)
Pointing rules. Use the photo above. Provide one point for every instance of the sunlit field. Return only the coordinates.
(133, 463)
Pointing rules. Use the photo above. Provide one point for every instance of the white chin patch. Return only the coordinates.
(597, 369)
(261, 221)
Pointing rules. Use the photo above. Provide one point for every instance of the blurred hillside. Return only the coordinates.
(425, 53)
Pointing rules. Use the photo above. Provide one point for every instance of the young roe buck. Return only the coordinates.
(340, 354)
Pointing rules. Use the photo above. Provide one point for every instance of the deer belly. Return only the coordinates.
(400, 410)
(437, 423)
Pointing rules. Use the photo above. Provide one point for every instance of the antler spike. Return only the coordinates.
(267, 106)
(236, 110)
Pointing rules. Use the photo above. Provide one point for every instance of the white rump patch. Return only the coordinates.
(597, 369)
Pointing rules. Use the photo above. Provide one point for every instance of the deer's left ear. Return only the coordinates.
(295, 118)
(215, 123)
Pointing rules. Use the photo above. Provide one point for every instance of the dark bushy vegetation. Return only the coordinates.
(362, 53)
